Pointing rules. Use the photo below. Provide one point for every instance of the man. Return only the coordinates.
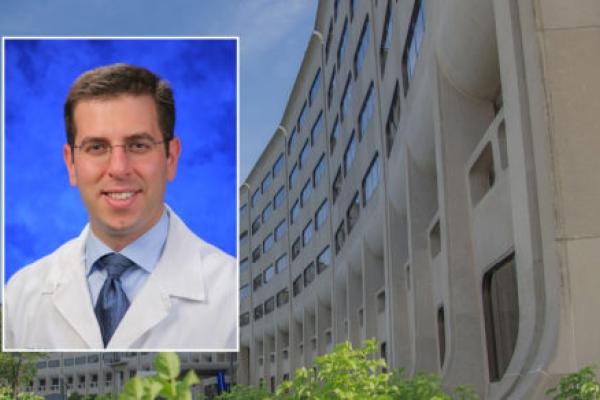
(136, 277)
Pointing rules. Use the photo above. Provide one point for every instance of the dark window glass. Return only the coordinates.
(257, 283)
(244, 319)
(391, 124)
(258, 312)
(279, 197)
(278, 166)
(335, 135)
(371, 179)
(297, 288)
(361, 50)
(319, 171)
(283, 297)
(323, 260)
(315, 131)
(366, 112)
(309, 274)
(321, 214)
(340, 237)
(501, 311)
(386, 37)
(281, 263)
(353, 212)
(303, 155)
(296, 248)
(414, 38)
(337, 184)
(270, 305)
(314, 87)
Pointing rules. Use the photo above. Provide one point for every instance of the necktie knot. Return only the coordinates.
(115, 264)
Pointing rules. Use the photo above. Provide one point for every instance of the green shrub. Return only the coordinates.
(347, 374)
(163, 384)
(580, 385)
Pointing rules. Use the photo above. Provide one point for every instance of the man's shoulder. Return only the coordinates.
(191, 242)
(46, 267)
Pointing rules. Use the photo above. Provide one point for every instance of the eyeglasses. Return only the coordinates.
(99, 150)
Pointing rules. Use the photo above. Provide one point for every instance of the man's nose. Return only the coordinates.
(119, 163)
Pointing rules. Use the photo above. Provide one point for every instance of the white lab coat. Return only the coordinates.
(189, 302)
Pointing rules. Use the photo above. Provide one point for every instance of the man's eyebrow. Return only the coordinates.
(139, 136)
(93, 139)
(129, 138)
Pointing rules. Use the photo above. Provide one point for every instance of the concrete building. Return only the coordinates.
(431, 185)
(61, 375)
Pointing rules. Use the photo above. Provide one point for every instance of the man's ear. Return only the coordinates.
(68, 156)
(173, 157)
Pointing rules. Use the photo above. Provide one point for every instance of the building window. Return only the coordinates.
(257, 282)
(280, 230)
(336, 6)
(93, 359)
(243, 210)
(292, 140)
(243, 238)
(256, 225)
(297, 285)
(306, 192)
(266, 183)
(244, 319)
(307, 233)
(371, 179)
(268, 273)
(309, 274)
(244, 292)
(255, 197)
(295, 211)
(296, 248)
(293, 176)
(391, 124)
(366, 112)
(316, 129)
(414, 39)
(361, 50)
(386, 37)
(281, 263)
(283, 297)
(323, 260)
(335, 135)
(319, 171)
(349, 153)
(331, 88)
(279, 197)
(316, 83)
(270, 305)
(501, 312)
(340, 237)
(268, 243)
(353, 212)
(303, 155)
(267, 211)
(256, 254)
(302, 117)
(258, 312)
(244, 265)
(341, 52)
(352, 9)
(441, 325)
(321, 214)
(337, 184)
(346, 97)
(278, 166)
(329, 38)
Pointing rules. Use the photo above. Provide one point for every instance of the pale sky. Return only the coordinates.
(273, 37)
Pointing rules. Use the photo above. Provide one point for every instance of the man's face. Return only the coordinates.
(123, 192)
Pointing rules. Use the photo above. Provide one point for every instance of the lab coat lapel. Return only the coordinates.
(177, 274)
(71, 296)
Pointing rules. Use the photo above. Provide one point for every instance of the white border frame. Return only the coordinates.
(2, 201)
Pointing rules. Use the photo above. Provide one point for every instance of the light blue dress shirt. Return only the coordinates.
(145, 252)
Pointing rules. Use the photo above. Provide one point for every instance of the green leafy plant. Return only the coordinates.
(163, 384)
(347, 374)
(580, 385)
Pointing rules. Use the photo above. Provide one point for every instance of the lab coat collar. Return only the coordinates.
(178, 274)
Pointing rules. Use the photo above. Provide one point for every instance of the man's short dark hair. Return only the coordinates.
(118, 79)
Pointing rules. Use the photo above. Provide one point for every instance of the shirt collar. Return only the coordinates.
(144, 251)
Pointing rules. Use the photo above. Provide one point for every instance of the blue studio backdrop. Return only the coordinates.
(42, 211)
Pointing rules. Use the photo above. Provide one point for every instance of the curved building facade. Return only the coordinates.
(430, 186)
